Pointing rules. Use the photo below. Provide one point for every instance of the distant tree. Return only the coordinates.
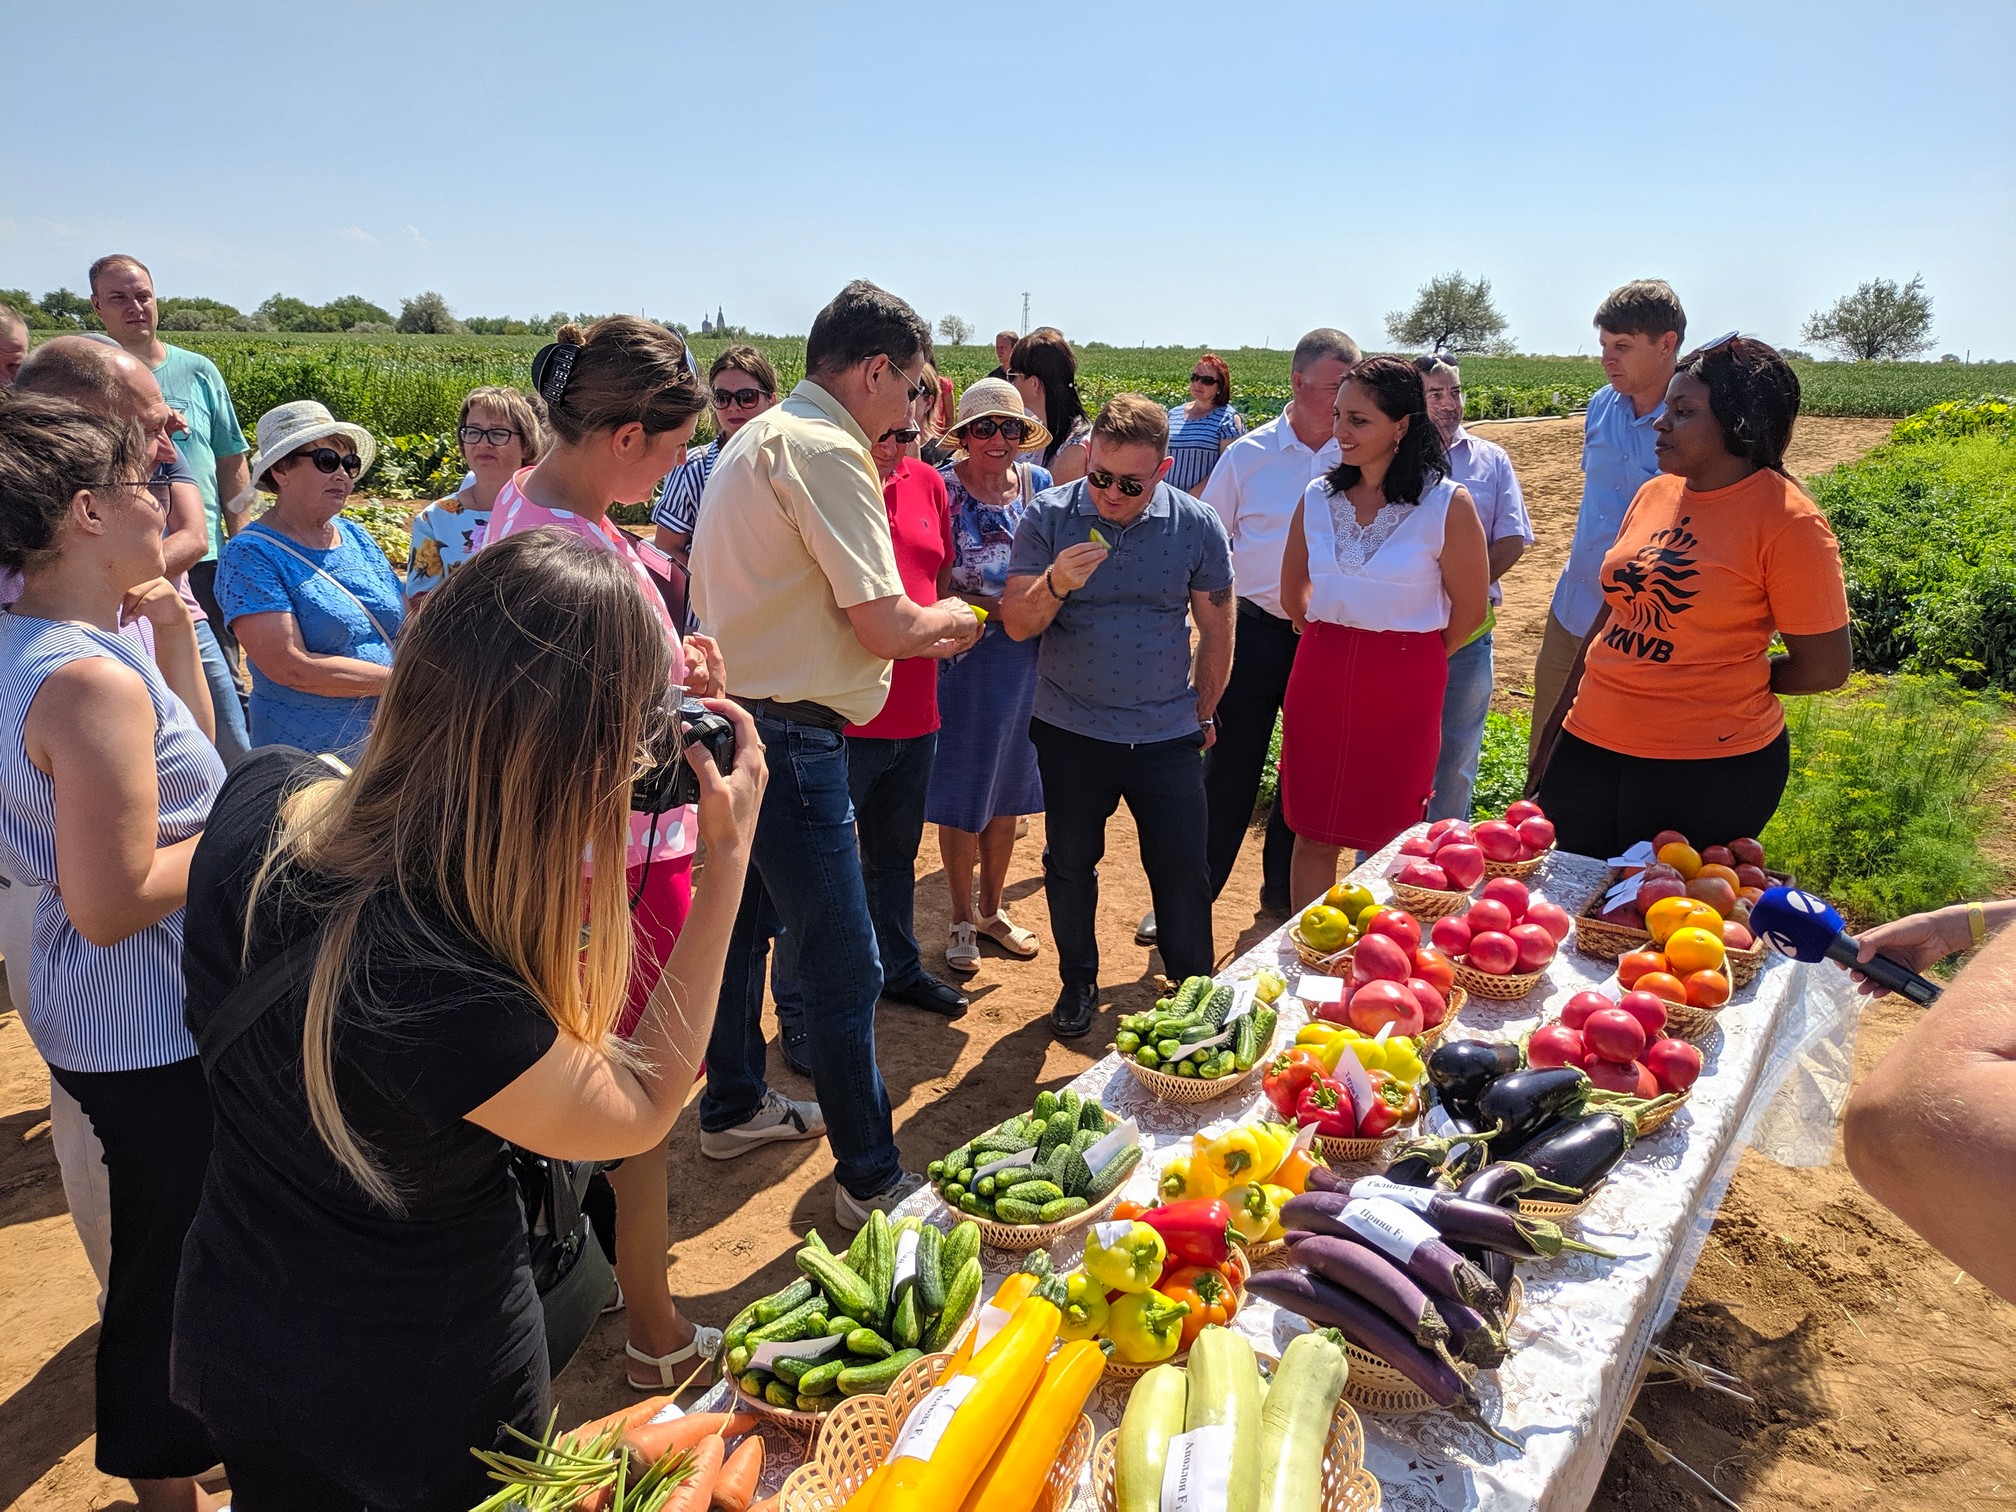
(1450, 314)
(283, 312)
(1949, 356)
(1795, 354)
(24, 304)
(352, 308)
(373, 328)
(1880, 322)
(183, 312)
(955, 330)
(69, 312)
(546, 325)
(427, 315)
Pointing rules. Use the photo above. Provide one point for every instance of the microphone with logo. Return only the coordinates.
(1808, 929)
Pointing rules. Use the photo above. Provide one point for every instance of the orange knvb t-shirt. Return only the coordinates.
(1696, 584)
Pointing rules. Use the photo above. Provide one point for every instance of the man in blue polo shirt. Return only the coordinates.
(1639, 327)
(1111, 571)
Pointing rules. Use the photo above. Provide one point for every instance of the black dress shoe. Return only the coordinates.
(1275, 902)
(1072, 1017)
(930, 994)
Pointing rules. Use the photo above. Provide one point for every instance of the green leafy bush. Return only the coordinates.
(1888, 797)
(1959, 417)
(416, 467)
(390, 525)
(1501, 768)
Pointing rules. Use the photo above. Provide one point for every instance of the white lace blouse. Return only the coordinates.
(1382, 576)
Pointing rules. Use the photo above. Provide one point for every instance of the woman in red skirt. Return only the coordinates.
(1386, 573)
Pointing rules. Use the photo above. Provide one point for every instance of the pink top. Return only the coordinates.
(677, 834)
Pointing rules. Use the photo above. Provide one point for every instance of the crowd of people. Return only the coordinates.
(298, 1016)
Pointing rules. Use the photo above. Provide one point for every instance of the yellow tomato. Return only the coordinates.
(1350, 899)
(1683, 858)
(1691, 948)
(1326, 928)
(1671, 914)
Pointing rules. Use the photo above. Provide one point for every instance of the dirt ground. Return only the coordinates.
(1882, 1378)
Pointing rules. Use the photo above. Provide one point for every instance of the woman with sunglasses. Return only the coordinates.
(499, 433)
(1202, 428)
(308, 593)
(107, 775)
(742, 384)
(985, 778)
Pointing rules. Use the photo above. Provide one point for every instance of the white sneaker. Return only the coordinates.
(962, 953)
(778, 1118)
(852, 1211)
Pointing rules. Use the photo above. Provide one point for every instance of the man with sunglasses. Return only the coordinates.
(1111, 571)
(742, 385)
(795, 576)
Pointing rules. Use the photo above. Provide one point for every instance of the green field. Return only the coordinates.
(412, 385)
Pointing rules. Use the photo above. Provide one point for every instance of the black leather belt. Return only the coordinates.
(802, 712)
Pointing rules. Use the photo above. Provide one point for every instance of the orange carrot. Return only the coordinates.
(737, 1486)
(651, 1442)
(699, 1487)
(628, 1417)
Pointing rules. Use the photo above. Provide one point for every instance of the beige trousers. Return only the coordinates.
(1550, 675)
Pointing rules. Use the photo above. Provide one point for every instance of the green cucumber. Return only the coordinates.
(851, 1294)
(792, 1369)
(774, 1306)
(1046, 1104)
(1062, 1208)
(869, 1344)
(738, 1359)
(1056, 1132)
(1069, 1103)
(961, 1292)
(817, 1403)
(976, 1207)
(796, 1324)
(1012, 1210)
(907, 1327)
(879, 1375)
(1246, 1043)
(1038, 1192)
(1111, 1174)
(1216, 1005)
(961, 1245)
(780, 1396)
(751, 1383)
(930, 1286)
(738, 1329)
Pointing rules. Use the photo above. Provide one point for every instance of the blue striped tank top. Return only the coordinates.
(117, 1008)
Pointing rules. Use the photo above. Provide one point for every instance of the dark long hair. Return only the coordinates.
(1045, 354)
(1419, 462)
(1753, 392)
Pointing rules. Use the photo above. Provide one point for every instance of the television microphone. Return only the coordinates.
(1807, 928)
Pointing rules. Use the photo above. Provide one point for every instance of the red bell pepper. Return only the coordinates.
(1327, 1105)
(1197, 1231)
(1393, 1104)
(1291, 1071)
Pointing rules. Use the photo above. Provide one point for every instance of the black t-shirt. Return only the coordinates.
(375, 1327)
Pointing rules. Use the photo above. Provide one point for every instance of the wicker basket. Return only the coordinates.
(1427, 903)
(860, 1432)
(1653, 1122)
(1035, 1236)
(1503, 989)
(1359, 1151)
(1375, 1386)
(1320, 962)
(1524, 868)
(1347, 1485)
(1553, 1212)
(1685, 1021)
(1191, 1089)
(808, 1422)
(1605, 941)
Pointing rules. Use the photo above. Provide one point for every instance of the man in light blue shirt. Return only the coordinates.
(1640, 327)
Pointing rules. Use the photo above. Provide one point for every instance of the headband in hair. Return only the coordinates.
(552, 366)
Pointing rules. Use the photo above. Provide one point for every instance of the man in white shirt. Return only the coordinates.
(1255, 488)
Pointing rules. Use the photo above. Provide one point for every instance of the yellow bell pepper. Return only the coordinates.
(1253, 1211)
(1277, 1195)
(1189, 1176)
(1241, 1154)
(1276, 1140)
(1403, 1062)
(1326, 1040)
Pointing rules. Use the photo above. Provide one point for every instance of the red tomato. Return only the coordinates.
(1488, 916)
(1551, 917)
(1575, 1012)
(1634, 964)
(1434, 1007)
(1434, 966)
(1706, 989)
(1379, 1003)
(1663, 984)
(1648, 1009)
(1555, 1045)
(1633, 1079)
(1399, 926)
(1675, 1064)
(1615, 1035)
(1493, 953)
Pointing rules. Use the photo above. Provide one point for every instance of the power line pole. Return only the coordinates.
(1025, 312)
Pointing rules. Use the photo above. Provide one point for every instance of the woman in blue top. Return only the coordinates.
(1201, 429)
(984, 778)
(106, 779)
(309, 594)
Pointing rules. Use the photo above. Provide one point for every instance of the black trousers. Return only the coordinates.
(155, 1127)
(203, 584)
(1084, 781)
(1263, 654)
(1602, 800)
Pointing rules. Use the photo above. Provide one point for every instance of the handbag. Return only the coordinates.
(572, 1275)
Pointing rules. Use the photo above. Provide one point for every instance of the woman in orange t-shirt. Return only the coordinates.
(1671, 719)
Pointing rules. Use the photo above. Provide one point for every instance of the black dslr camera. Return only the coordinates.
(668, 782)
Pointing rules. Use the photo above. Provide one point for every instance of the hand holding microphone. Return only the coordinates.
(1806, 928)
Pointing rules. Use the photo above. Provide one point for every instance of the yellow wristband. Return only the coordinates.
(1977, 923)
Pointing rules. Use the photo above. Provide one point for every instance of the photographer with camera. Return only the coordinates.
(357, 1306)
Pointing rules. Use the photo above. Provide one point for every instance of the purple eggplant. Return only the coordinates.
(1460, 1070)
(1369, 1274)
(1581, 1152)
(1424, 1162)
(1499, 1267)
(1473, 1338)
(1462, 1221)
(1522, 1104)
(1405, 1239)
(1502, 1183)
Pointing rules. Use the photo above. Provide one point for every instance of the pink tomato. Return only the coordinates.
(1420, 873)
(1397, 925)
(1632, 1079)
(1451, 933)
(1492, 953)
(1376, 1004)
(1649, 1009)
(1551, 917)
(1555, 1045)
(1537, 834)
(1517, 813)
(1379, 958)
(1536, 946)
(1434, 1007)
(1575, 1012)
(1615, 1035)
(1463, 862)
(1488, 915)
(1511, 892)
(1498, 840)
(1416, 845)
(1674, 1064)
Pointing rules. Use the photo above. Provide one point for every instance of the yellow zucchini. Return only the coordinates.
(1014, 1478)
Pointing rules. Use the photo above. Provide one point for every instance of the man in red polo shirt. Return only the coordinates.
(889, 758)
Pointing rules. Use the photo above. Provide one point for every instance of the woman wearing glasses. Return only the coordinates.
(106, 779)
(985, 777)
(1204, 427)
(743, 385)
(1044, 370)
(499, 433)
(309, 594)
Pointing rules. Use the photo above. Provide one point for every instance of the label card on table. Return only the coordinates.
(1320, 989)
(1007, 1162)
(670, 1412)
(930, 1418)
(797, 1349)
(1351, 1071)
(1116, 1140)
(1197, 1477)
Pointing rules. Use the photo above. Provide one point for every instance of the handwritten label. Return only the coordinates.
(1414, 1199)
(1639, 854)
(1387, 1226)
(906, 1258)
(1113, 1231)
(1006, 1162)
(1197, 1477)
(1621, 892)
(991, 1321)
(1351, 1071)
(1242, 999)
(1320, 989)
(1116, 1140)
(796, 1349)
(1304, 1138)
(670, 1412)
(929, 1419)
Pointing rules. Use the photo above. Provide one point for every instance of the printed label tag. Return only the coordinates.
(1242, 999)
(796, 1349)
(991, 1321)
(1304, 1138)
(1621, 891)
(1320, 989)
(1197, 1477)
(1638, 854)
(1113, 1231)
(1415, 1199)
(1006, 1162)
(1351, 1071)
(906, 1259)
(1128, 1133)
(930, 1418)
(1387, 1226)
(670, 1412)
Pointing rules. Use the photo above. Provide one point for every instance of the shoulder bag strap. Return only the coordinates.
(253, 995)
(314, 566)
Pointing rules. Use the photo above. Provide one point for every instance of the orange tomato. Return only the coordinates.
(1663, 985)
(1713, 891)
(1636, 963)
(1750, 894)
(1707, 989)
(1669, 914)
(1683, 858)
(1726, 873)
(1693, 948)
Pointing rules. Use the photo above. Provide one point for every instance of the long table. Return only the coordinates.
(1586, 1323)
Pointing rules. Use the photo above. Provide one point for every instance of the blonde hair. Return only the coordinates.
(515, 406)
(503, 750)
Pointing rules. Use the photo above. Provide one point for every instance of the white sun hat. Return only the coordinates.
(286, 428)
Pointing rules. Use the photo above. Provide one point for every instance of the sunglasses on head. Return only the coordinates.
(742, 398)
(469, 435)
(986, 429)
(1102, 480)
(327, 459)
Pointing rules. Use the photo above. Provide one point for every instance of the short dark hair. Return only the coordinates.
(1419, 461)
(864, 321)
(1428, 362)
(115, 260)
(49, 449)
(1324, 341)
(1643, 307)
(745, 359)
(1132, 420)
(1753, 392)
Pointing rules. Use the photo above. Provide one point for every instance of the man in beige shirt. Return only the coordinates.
(794, 574)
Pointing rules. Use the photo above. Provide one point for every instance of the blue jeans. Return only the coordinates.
(805, 879)
(232, 740)
(887, 780)
(1464, 705)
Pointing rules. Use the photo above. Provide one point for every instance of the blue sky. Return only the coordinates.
(1222, 174)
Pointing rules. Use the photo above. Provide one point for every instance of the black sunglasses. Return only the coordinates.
(747, 398)
(903, 433)
(469, 435)
(1210, 378)
(1101, 479)
(327, 459)
(916, 390)
(987, 428)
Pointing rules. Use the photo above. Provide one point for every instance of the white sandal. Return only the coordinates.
(1010, 936)
(962, 949)
(705, 1346)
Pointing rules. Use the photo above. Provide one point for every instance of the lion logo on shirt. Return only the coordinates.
(1649, 592)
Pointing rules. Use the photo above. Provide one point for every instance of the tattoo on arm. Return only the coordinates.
(1220, 597)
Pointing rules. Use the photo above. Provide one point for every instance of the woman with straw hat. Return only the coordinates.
(308, 593)
(985, 778)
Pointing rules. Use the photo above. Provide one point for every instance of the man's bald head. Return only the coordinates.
(13, 343)
(105, 379)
